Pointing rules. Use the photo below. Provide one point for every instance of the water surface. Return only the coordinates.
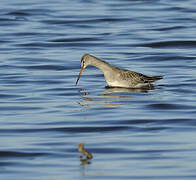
(131, 134)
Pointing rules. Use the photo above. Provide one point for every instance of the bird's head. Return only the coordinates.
(85, 61)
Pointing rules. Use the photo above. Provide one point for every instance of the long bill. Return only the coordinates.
(82, 69)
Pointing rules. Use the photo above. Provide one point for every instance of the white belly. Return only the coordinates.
(125, 84)
(118, 84)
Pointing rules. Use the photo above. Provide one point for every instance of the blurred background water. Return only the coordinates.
(131, 134)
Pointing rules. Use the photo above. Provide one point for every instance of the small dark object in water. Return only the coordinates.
(83, 151)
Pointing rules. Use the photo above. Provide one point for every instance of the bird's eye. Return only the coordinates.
(83, 63)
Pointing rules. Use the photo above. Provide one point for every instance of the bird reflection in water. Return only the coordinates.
(109, 90)
(110, 97)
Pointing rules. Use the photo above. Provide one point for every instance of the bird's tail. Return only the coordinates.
(154, 78)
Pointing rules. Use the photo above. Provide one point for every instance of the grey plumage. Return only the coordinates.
(116, 77)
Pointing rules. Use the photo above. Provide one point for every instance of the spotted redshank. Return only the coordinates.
(116, 77)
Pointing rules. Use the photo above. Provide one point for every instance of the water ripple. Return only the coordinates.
(171, 44)
(132, 134)
(47, 67)
(15, 154)
(169, 106)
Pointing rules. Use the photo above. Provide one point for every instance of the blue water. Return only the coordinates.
(131, 134)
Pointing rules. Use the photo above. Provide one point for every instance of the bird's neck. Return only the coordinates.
(102, 65)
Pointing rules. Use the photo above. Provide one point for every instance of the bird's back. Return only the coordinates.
(131, 79)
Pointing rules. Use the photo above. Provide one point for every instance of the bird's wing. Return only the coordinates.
(134, 77)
